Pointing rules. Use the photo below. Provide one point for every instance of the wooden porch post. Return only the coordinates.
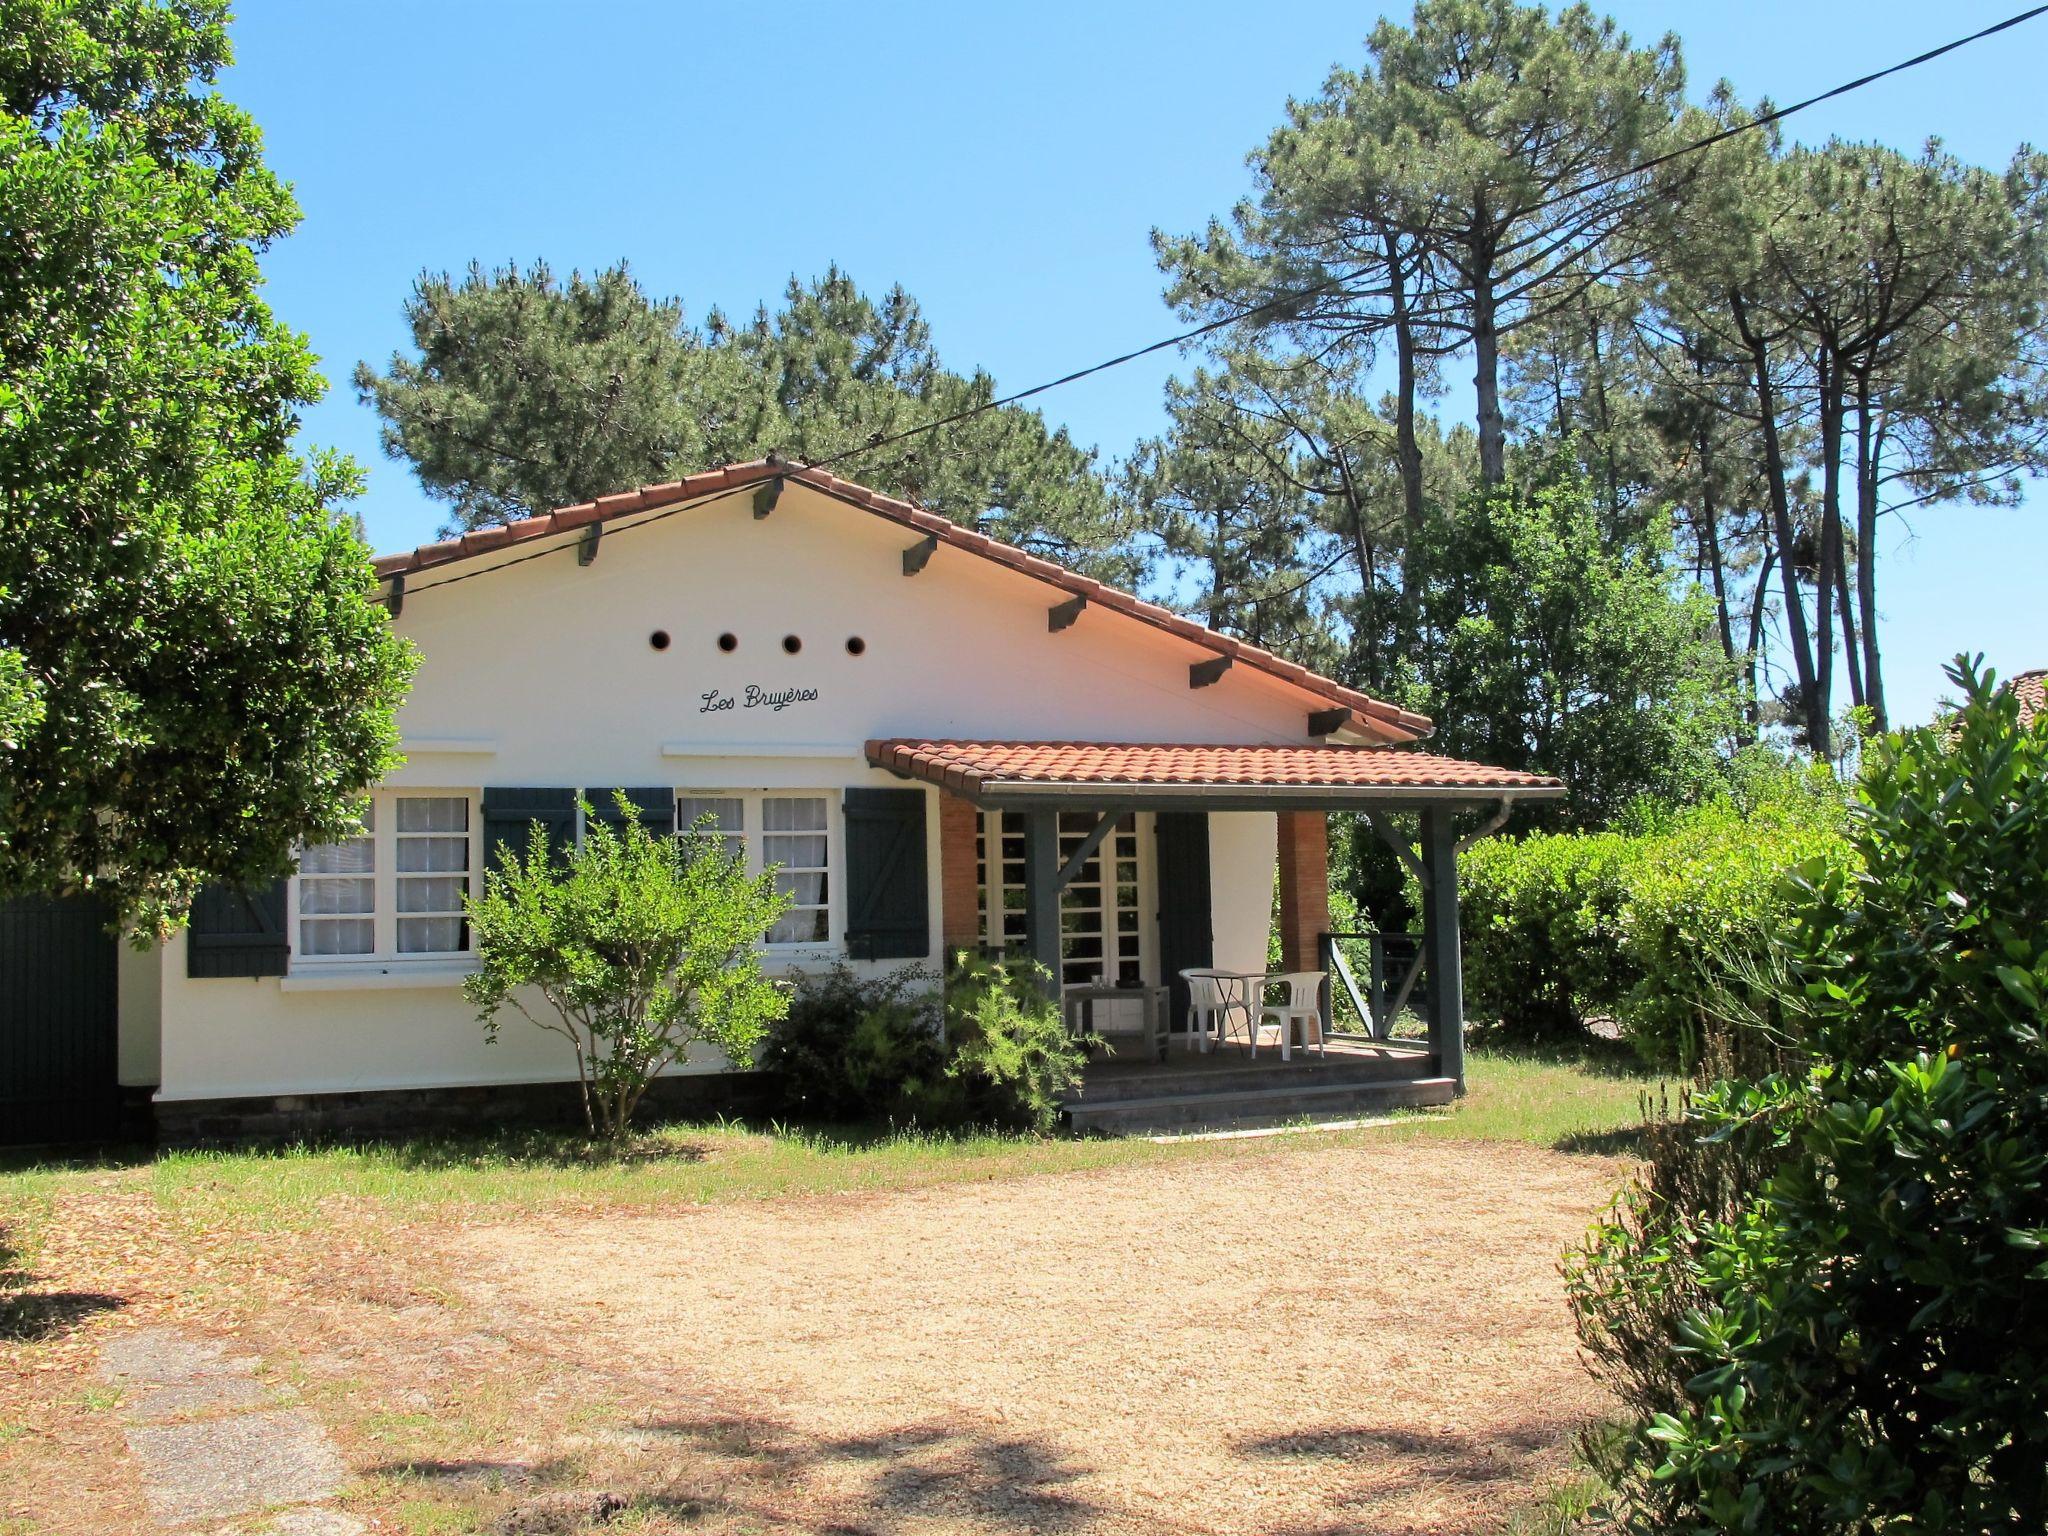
(1042, 890)
(1441, 943)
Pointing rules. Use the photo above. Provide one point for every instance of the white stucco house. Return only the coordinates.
(938, 738)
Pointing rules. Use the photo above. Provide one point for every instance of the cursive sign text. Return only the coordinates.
(756, 697)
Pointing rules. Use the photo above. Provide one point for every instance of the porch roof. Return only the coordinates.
(1219, 776)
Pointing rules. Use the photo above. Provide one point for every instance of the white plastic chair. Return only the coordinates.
(1304, 1006)
(1208, 1010)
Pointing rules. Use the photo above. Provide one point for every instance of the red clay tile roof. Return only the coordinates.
(2032, 688)
(1374, 716)
(973, 767)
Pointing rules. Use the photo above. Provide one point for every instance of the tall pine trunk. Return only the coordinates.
(1493, 432)
(1869, 455)
(1830, 553)
(1781, 523)
(1407, 451)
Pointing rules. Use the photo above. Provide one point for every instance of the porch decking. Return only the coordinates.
(1226, 1088)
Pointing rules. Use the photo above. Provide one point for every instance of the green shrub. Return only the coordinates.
(1643, 924)
(851, 1049)
(995, 1053)
(1823, 1305)
(1703, 897)
(1011, 1049)
(640, 946)
(1542, 933)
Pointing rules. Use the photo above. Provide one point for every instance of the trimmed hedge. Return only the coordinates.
(1637, 925)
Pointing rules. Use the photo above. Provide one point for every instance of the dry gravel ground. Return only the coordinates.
(1308, 1339)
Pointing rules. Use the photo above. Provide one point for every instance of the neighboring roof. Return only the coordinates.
(1372, 715)
(2032, 689)
(978, 769)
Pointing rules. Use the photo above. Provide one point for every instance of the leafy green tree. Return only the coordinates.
(1821, 1307)
(640, 944)
(194, 677)
(1274, 492)
(1476, 173)
(529, 393)
(1539, 643)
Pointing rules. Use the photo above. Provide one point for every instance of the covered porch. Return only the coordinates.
(1065, 799)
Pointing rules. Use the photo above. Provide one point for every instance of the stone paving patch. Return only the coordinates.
(207, 1449)
(163, 1375)
(316, 1522)
(209, 1468)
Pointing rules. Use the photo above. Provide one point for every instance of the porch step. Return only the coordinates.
(1179, 1075)
(1211, 1110)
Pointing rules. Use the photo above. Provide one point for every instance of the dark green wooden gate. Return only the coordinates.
(1186, 940)
(58, 1024)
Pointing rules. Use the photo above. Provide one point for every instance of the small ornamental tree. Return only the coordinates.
(639, 944)
(1826, 1303)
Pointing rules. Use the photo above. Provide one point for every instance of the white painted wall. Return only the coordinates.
(138, 984)
(1244, 852)
(541, 673)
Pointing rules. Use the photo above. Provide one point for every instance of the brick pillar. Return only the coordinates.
(1304, 888)
(959, 905)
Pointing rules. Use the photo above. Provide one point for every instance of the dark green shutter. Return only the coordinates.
(888, 904)
(1187, 940)
(656, 807)
(508, 813)
(238, 932)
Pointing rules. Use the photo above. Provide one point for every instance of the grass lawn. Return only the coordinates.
(351, 1272)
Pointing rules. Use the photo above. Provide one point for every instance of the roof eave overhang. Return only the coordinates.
(1021, 794)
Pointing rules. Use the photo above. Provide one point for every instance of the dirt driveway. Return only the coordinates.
(1315, 1339)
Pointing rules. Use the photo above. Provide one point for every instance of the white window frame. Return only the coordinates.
(751, 831)
(385, 955)
(991, 888)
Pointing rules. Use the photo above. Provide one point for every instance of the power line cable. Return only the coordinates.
(1776, 114)
(1285, 300)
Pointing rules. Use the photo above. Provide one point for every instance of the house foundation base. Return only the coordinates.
(406, 1112)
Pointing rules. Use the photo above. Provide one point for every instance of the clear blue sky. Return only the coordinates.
(1004, 163)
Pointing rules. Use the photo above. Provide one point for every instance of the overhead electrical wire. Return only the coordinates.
(1285, 300)
(1297, 296)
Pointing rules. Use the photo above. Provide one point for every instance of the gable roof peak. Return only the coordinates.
(1387, 722)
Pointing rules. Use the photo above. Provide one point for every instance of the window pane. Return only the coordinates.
(320, 897)
(432, 854)
(808, 889)
(433, 813)
(433, 893)
(803, 852)
(337, 936)
(357, 856)
(432, 935)
(801, 927)
(727, 812)
(793, 815)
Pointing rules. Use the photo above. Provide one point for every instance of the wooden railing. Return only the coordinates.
(1393, 979)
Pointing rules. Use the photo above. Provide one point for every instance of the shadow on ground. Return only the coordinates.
(981, 1481)
(29, 1316)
